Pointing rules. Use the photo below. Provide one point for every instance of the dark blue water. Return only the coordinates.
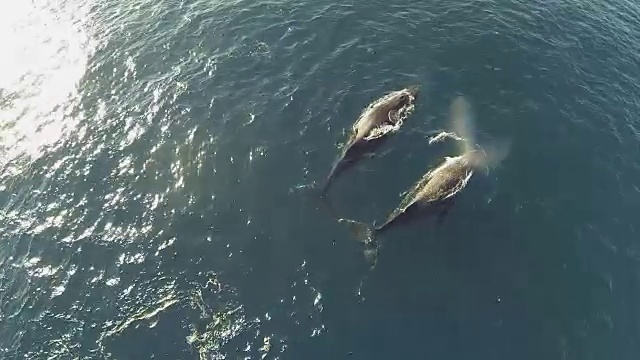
(158, 158)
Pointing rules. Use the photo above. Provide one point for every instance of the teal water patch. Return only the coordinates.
(158, 162)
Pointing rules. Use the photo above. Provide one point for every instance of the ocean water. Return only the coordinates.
(158, 162)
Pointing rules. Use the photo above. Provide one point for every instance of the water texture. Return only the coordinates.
(158, 161)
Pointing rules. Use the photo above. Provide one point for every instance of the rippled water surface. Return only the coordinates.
(158, 162)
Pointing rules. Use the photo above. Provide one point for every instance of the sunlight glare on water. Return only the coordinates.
(45, 49)
(158, 163)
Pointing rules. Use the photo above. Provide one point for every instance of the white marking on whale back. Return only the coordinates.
(460, 185)
(383, 130)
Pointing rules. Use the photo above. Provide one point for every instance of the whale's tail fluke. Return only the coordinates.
(364, 234)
